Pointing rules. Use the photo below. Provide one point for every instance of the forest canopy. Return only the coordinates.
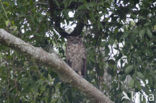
(119, 36)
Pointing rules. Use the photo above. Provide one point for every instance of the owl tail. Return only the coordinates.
(84, 70)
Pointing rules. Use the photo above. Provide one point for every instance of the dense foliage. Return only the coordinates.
(119, 35)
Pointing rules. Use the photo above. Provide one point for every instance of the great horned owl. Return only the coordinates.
(76, 54)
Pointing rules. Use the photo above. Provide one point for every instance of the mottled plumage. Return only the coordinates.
(76, 54)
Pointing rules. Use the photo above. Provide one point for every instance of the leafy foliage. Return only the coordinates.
(119, 36)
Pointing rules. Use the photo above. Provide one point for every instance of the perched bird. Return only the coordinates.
(76, 54)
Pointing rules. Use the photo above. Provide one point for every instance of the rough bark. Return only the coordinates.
(58, 65)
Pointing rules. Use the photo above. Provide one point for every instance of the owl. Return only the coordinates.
(76, 54)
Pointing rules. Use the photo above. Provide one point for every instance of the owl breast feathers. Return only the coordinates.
(76, 54)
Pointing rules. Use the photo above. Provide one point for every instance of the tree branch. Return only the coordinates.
(58, 65)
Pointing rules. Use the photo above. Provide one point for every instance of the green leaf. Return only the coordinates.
(131, 83)
(137, 85)
(142, 33)
(140, 75)
(7, 23)
(129, 69)
(107, 50)
(57, 3)
(149, 33)
(154, 27)
(0, 56)
(5, 3)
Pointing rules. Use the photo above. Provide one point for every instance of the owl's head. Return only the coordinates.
(74, 39)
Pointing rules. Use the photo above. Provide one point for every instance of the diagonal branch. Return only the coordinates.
(58, 65)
